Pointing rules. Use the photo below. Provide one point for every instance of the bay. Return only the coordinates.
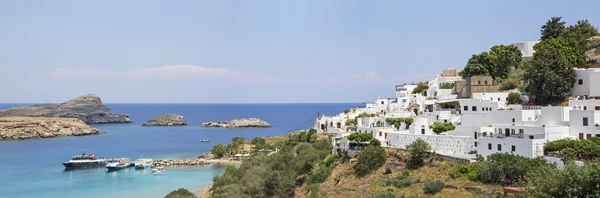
(32, 168)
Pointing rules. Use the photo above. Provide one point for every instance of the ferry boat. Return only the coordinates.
(118, 164)
(143, 163)
(85, 161)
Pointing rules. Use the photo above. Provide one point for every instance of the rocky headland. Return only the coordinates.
(88, 109)
(21, 128)
(239, 123)
(167, 120)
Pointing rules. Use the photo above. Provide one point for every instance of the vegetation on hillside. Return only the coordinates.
(180, 193)
(570, 149)
(396, 122)
(497, 63)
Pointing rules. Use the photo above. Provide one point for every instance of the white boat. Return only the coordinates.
(158, 170)
(118, 164)
(143, 163)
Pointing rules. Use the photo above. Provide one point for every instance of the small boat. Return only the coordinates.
(158, 170)
(204, 140)
(118, 164)
(85, 161)
(143, 163)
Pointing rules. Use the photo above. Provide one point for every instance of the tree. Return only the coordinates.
(572, 181)
(553, 28)
(237, 141)
(514, 98)
(360, 137)
(574, 56)
(369, 159)
(549, 75)
(350, 122)
(258, 142)
(478, 64)
(374, 142)
(440, 127)
(180, 193)
(346, 111)
(419, 151)
(504, 59)
(219, 150)
(579, 32)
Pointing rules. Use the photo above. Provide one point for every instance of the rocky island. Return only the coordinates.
(88, 109)
(20, 128)
(239, 123)
(167, 120)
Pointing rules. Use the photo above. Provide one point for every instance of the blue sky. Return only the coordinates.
(251, 51)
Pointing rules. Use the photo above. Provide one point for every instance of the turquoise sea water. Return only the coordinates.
(32, 168)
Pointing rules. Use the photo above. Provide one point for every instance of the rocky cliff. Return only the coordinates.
(240, 123)
(88, 109)
(20, 128)
(167, 120)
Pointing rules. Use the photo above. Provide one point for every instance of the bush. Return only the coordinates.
(506, 169)
(509, 84)
(433, 187)
(573, 181)
(180, 193)
(369, 159)
(388, 170)
(319, 174)
(574, 149)
(419, 151)
(386, 195)
(446, 85)
(403, 181)
(330, 159)
(375, 142)
(514, 98)
(360, 137)
(219, 150)
(462, 170)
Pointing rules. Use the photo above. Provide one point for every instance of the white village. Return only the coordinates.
(474, 116)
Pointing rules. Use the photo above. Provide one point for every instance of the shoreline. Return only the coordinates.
(193, 162)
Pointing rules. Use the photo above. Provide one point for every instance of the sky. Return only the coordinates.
(251, 51)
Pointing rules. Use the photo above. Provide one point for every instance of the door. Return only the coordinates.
(507, 132)
(580, 136)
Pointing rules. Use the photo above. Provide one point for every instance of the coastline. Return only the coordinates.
(204, 192)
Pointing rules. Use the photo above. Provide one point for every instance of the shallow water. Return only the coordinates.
(32, 168)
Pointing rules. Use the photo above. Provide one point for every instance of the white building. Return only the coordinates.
(585, 118)
(587, 82)
(526, 48)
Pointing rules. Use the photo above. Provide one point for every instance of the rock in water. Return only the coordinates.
(88, 109)
(20, 128)
(167, 120)
(240, 123)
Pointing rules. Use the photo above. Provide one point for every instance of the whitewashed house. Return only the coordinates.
(587, 82)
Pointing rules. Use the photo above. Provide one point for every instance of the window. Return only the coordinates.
(512, 131)
(584, 107)
(589, 136)
(485, 82)
(475, 144)
(597, 108)
(521, 130)
(422, 131)
(379, 133)
(475, 135)
(513, 149)
(474, 108)
(479, 82)
(531, 137)
(489, 146)
(580, 136)
(381, 102)
(513, 120)
(580, 81)
(585, 121)
(499, 147)
(498, 99)
(466, 108)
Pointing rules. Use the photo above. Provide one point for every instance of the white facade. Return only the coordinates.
(526, 48)
(447, 145)
(587, 82)
(585, 118)
(524, 147)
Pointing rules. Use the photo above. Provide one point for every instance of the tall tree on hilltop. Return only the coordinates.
(580, 32)
(478, 64)
(504, 58)
(549, 75)
(553, 28)
(574, 57)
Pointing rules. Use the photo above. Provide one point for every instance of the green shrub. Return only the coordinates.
(514, 98)
(388, 170)
(360, 137)
(386, 195)
(180, 193)
(369, 159)
(463, 169)
(448, 85)
(403, 181)
(319, 174)
(329, 160)
(506, 169)
(509, 84)
(440, 127)
(573, 181)
(433, 187)
(419, 151)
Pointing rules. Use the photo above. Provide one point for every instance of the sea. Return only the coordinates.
(32, 168)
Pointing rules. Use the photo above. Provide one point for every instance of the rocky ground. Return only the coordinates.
(167, 120)
(20, 128)
(88, 109)
(239, 123)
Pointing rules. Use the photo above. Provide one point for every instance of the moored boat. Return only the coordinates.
(85, 161)
(204, 140)
(143, 163)
(118, 164)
